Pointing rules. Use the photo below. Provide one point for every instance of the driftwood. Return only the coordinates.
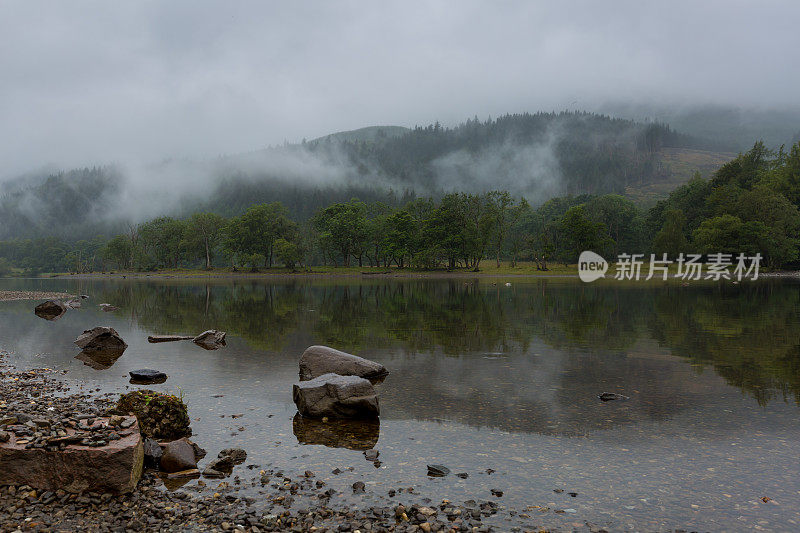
(169, 338)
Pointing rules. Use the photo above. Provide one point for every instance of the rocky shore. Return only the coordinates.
(158, 503)
(7, 296)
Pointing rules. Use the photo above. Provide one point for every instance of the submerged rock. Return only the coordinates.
(210, 340)
(101, 339)
(336, 396)
(337, 433)
(146, 376)
(237, 455)
(107, 307)
(50, 310)
(160, 416)
(223, 465)
(74, 303)
(319, 360)
(609, 396)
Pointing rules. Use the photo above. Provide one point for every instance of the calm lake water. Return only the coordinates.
(483, 376)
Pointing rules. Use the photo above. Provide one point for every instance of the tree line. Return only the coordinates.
(749, 205)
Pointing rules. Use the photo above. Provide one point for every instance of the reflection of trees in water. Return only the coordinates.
(748, 333)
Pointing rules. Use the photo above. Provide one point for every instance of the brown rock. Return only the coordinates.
(50, 310)
(114, 468)
(178, 455)
(336, 396)
(101, 339)
(319, 360)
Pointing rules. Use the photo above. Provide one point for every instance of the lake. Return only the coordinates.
(483, 377)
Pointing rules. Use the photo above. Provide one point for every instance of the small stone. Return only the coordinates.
(371, 455)
(438, 470)
(359, 487)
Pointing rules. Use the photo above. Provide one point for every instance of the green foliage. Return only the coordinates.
(671, 238)
(749, 206)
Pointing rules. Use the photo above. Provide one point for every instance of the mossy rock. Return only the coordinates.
(160, 416)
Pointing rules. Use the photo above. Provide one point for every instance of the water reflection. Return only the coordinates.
(100, 359)
(338, 433)
(530, 357)
(748, 333)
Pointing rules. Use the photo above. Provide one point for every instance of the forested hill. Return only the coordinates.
(539, 156)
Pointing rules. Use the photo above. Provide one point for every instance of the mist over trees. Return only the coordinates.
(750, 205)
(537, 156)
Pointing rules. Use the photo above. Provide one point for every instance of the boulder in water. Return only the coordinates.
(146, 376)
(319, 360)
(50, 310)
(336, 396)
(101, 339)
(210, 340)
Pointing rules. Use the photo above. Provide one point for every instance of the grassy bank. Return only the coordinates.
(487, 269)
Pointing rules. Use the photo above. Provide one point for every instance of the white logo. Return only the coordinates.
(591, 266)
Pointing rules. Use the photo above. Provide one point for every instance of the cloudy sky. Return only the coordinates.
(99, 82)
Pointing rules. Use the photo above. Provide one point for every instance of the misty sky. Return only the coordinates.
(99, 82)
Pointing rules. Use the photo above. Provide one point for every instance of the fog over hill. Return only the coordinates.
(538, 156)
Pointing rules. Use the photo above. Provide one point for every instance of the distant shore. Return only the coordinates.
(7, 296)
(363, 273)
(329, 272)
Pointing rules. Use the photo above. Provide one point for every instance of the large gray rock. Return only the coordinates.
(319, 360)
(101, 339)
(336, 396)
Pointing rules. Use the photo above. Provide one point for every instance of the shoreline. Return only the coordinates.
(188, 275)
(305, 503)
(13, 296)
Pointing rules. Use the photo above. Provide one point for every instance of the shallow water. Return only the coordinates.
(482, 376)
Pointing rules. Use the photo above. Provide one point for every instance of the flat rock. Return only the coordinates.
(319, 360)
(183, 474)
(336, 396)
(114, 468)
(146, 376)
(210, 340)
(609, 396)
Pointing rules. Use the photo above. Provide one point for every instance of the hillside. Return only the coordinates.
(368, 134)
(677, 166)
(538, 156)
